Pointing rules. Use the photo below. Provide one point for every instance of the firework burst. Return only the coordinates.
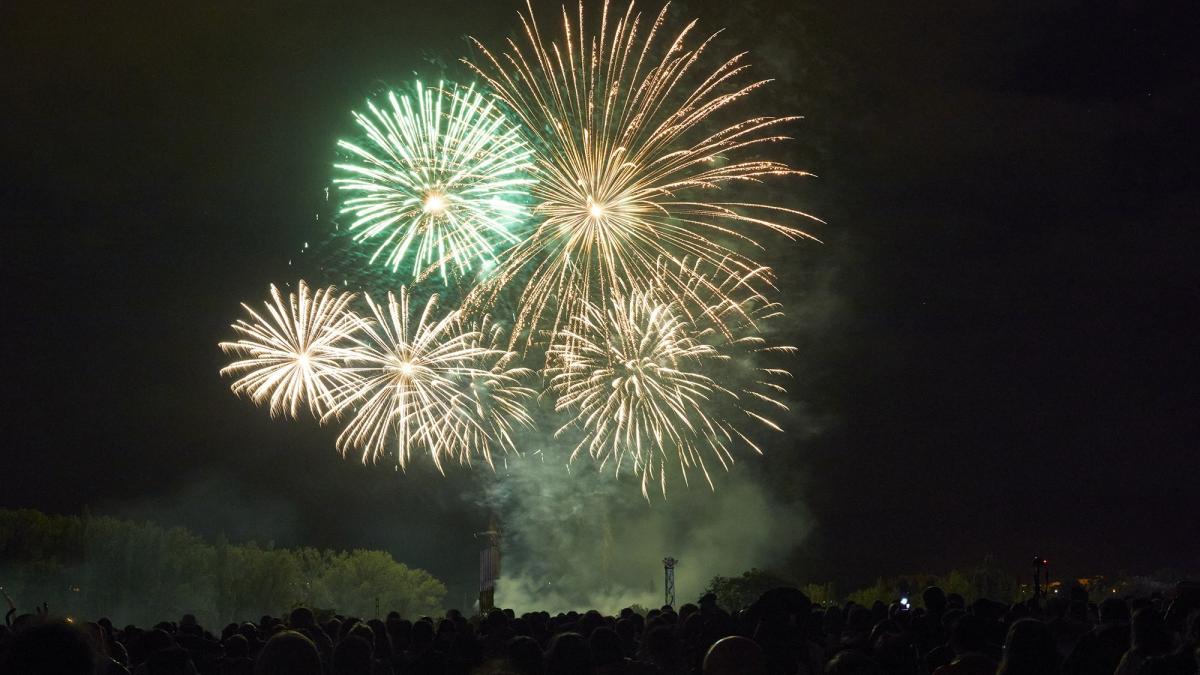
(624, 167)
(293, 354)
(608, 216)
(426, 383)
(637, 380)
(495, 395)
(437, 183)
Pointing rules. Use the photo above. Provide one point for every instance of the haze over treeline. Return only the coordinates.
(131, 572)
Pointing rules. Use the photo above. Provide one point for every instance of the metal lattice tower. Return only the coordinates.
(669, 579)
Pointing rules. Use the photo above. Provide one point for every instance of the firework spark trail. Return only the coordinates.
(620, 162)
(495, 395)
(439, 179)
(294, 354)
(635, 379)
(426, 383)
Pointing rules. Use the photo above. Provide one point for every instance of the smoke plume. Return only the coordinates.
(577, 539)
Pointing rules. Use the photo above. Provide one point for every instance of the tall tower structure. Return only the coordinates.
(1041, 576)
(669, 580)
(489, 565)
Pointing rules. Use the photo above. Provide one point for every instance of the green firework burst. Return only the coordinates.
(438, 182)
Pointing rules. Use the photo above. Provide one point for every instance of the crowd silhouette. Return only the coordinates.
(782, 633)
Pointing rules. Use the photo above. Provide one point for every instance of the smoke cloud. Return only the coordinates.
(215, 505)
(576, 539)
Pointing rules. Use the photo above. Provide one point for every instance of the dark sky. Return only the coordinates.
(998, 352)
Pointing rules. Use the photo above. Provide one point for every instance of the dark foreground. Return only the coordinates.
(781, 633)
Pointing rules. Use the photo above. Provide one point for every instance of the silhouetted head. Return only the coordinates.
(525, 656)
(934, 599)
(567, 654)
(155, 641)
(590, 621)
(1029, 649)
(97, 638)
(1148, 632)
(421, 635)
(466, 650)
(659, 647)
(833, 621)
(363, 631)
(1192, 633)
(1056, 606)
(951, 617)
(605, 646)
(236, 646)
(400, 632)
(969, 635)
(859, 619)
(1114, 611)
(352, 656)
(850, 662)
(55, 648)
(735, 655)
(496, 618)
(288, 653)
(118, 653)
(302, 617)
(348, 625)
(382, 643)
(170, 661)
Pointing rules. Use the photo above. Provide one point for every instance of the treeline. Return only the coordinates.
(987, 580)
(92, 566)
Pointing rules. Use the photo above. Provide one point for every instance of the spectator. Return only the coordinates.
(288, 653)
(1100, 650)
(781, 633)
(969, 642)
(52, 648)
(236, 660)
(525, 656)
(735, 655)
(352, 656)
(1029, 650)
(103, 664)
(1149, 638)
(567, 655)
(851, 662)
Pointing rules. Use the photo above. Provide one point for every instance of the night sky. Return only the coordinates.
(997, 343)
